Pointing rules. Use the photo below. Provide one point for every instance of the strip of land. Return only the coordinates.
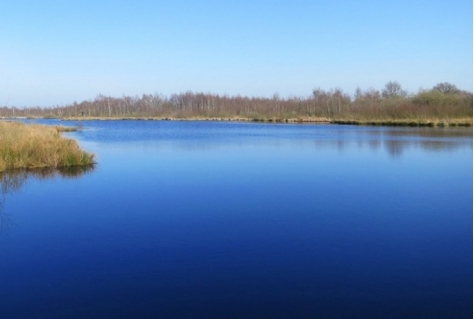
(442, 105)
(37, 146)
(373, 122)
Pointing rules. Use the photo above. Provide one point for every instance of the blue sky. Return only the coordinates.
(57, 52)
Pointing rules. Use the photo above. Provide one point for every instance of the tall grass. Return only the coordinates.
(36, 146)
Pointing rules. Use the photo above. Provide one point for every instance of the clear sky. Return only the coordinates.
(55, 52)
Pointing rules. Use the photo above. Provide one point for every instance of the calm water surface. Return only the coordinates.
(242, 220)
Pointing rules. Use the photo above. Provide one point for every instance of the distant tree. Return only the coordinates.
(393, 89)
(446, 88)
(319, 94)
(358, 93)
(428, 97)
(371, 94)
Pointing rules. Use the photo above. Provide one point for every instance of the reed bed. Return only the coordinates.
(37, 146)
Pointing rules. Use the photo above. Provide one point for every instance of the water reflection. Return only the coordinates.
(395, 147)
(396, 141)
(445, 132)
(13, 180)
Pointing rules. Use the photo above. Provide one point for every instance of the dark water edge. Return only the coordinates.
(408, 122)
(242, 220)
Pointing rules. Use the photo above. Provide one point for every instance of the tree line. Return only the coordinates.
(443, 101)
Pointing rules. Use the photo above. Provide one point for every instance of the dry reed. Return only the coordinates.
(36, 146)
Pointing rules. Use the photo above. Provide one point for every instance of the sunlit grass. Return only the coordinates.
(36, 146)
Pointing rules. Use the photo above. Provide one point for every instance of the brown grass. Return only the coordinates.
(36, 146)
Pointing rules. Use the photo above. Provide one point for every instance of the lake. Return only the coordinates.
(243, 220)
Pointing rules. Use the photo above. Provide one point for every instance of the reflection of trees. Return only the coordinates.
(438, 145)
(395, 147)
(396, 140)
(430, 132)
(374, 144)
(13, 180)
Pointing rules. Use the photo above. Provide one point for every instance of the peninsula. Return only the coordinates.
(29, 146)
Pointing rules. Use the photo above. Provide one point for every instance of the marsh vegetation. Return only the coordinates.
(36, 146)
(442, 105)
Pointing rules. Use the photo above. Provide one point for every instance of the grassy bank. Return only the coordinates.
(36, 146)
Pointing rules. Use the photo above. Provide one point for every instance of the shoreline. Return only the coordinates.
(455, 122)
(464, 122)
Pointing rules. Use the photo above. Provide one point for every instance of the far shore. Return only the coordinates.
(313, 120)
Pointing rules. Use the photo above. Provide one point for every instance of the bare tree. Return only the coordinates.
(393, 89)
(358, 93)
(446, 88)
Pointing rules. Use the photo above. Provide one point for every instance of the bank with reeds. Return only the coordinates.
(443, 105)
(432, 122)
(37, 146)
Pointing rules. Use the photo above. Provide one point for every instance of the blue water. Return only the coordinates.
(244, 220)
